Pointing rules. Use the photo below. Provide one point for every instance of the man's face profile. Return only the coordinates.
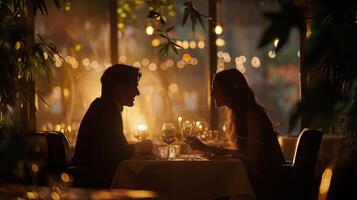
(125, 94)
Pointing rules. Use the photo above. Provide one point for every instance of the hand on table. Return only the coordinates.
(144, 147)
(195, 143)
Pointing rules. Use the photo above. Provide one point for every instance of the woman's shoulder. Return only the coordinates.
(258, 115)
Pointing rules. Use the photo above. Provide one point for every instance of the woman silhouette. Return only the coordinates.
(252, 131)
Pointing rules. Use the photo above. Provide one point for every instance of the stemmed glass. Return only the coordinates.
(168, 135)
(186, 131)
(141, 133)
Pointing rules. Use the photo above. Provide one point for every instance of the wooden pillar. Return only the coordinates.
(212, 64)
(113, 18)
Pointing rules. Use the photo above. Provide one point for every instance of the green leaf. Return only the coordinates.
(186, 13)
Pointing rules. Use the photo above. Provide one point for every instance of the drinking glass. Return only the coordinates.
(168, 135)
(141, 134)
(186, 131)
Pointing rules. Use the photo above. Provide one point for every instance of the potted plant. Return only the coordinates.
(23, 59)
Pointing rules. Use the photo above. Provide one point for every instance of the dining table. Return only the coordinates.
(182, 178)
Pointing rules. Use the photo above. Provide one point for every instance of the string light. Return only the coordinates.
(276, 42)
(220, 42)
(218, 29)
(201, 44)
(193, 45)
(149, 30)
(152, 67)
(255, 62)
(272, 54)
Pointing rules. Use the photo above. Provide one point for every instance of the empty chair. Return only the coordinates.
(297, 177)
(59, 155)
(46, 154)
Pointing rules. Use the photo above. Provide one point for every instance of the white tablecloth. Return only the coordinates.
(207, 179)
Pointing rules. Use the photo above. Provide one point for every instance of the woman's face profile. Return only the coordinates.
(217, 94)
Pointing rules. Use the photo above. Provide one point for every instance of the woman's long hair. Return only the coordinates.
(237, 92)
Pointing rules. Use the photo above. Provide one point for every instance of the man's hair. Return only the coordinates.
(118, 74)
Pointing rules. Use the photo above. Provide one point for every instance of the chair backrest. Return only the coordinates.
(59, 155)
(307, 149)
(54, 147)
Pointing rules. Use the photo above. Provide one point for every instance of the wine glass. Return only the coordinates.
(186, 131)
(168, 135)
(141, 133)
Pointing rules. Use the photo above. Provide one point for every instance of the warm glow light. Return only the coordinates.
(276, 42)
(18, 45)
(68, 59)
(65, 92)
(193, 45)
(136, 64)
(65, 177)
(58, 63)
(85, 62)
(32, 195)
(180, 64)
(298, 54)
(34, 168)
(226, 57)
(152, 67)
(149, 30)
(75, 64)
(240, 67)
(145, 62)
(170, 63)
(138, 194)
(179, 42)
(218, 29)
(220, 42)
(142, 127)
(186, 57)
(179, 118)
(94, 64)
(255, 62)
(220, 54)
(78, 47)
(67, 7)
(194, 61)
(163, 66)
(120, 25)
(56, 57)
(272, 54)
(155, 42)
(201, 44)
(45, 55)
(325, 181)
(55, 196)
(185, 44)
(224, 128)
(122, 59)
(173, 87)
(220, 61)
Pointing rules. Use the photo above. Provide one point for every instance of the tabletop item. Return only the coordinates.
(168, 135)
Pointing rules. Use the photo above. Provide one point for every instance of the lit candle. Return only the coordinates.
(141, 132)
(179, 119)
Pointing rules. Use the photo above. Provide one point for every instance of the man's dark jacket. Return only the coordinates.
(101, 143)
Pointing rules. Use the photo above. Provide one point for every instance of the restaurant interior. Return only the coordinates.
(296, 55)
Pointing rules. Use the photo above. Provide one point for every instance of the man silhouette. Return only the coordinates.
(101, 144)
